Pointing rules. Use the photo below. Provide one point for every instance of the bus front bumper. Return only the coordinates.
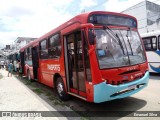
(106, 92)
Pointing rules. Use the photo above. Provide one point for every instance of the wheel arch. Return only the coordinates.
(64, 95)
(56, 75)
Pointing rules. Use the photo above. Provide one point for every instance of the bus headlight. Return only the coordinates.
(104, 80)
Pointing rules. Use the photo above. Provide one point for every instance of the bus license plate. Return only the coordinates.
(131, 87)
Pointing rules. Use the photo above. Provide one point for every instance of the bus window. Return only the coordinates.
(150, 43)
(154, 43)
(29, 54)
(43, 50)
(54, 46)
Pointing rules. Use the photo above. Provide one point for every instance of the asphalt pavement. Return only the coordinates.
(16, 96)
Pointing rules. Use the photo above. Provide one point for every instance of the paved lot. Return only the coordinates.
(146, 100)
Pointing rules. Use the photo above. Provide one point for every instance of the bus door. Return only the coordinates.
(35, 61)
(74, 61)
(22, 62)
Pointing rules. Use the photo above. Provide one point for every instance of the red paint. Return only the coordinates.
(46, 76)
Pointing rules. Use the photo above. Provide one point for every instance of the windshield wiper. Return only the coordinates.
(128, 40)
(125, 46)
(116, 36)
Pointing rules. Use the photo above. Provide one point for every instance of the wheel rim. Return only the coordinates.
(60, 88)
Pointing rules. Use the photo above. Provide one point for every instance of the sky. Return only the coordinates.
(34, 18)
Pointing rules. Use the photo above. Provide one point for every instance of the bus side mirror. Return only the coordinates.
(91, 37)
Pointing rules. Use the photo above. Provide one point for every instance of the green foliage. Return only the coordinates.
(37, 90)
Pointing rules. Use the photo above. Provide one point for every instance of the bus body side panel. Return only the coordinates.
(48, 68)
(45, 72)
(90, 92)
(106, 92)
(62, 69)
(154, 61)
(96, 74)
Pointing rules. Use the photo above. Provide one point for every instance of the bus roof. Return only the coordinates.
(81, 18)
(155, 33)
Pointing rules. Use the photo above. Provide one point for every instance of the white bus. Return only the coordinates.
(151, 42)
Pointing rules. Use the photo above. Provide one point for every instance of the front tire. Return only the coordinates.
(60, 88)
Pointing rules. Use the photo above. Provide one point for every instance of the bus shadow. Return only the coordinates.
(116, 108)
(154, 76)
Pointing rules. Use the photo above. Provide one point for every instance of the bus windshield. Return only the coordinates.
(117, 48)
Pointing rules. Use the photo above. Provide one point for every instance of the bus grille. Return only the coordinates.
(127, 90)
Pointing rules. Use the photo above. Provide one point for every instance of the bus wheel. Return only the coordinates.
(29, 75)
(60, 88)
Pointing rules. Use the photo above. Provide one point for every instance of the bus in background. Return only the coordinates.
(151, 42)
(96, 56)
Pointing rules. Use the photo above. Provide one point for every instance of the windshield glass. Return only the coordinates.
(116, 48)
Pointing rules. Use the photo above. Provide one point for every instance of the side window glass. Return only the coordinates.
(29, 52)
(43, 50)
(154, 43)
(147, 43)
(150, 43)
(54, 46)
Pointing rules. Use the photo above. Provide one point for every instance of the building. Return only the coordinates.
(21, 42)
(147, 14)
(10, 52)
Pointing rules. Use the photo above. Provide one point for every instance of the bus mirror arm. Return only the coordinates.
(87, 25)
(91, 37)
(91, 50)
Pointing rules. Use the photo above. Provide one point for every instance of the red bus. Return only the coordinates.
(96, 56)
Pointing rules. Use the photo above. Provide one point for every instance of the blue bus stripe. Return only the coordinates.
(156, 69)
